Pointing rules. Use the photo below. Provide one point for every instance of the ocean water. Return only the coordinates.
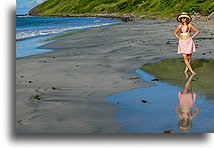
(31, 30)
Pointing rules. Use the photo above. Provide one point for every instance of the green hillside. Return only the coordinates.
(158, 8)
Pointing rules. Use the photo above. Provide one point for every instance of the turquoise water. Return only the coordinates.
(31, 30)
(158, 114)
(29, 47)
(35, 26)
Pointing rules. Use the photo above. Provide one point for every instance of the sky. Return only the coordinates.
(23, 6)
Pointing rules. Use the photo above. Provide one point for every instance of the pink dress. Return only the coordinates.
(186, 46)
(186, 100)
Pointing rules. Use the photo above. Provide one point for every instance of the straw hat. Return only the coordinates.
(182, 124)
(184, 14)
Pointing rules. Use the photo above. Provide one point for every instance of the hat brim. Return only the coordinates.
(184, 128)
(184, 15)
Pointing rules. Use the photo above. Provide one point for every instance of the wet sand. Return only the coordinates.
(87, 67)
(171, 71)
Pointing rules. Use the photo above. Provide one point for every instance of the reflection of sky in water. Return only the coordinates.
(159, 113)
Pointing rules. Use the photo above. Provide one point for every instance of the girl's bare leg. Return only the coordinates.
(186, 69)
(186, 75)
(187, 63)
(187, 85)
(189, 59)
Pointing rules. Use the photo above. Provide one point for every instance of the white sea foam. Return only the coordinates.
(33, 33)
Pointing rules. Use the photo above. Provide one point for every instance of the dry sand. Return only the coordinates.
(87, 67)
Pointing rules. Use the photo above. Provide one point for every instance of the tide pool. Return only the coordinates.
(161, 108)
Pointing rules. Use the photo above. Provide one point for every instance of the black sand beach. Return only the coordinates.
(87, 67)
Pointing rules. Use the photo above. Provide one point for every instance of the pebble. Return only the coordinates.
(168, 131)
(36, 97)
(155, 80)
(20, 122)
(134, 78)
(168, 42)
(144, 101)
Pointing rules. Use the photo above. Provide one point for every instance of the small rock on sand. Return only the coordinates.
(36, 97)
(21, 122)
(168, 131)
(211, 16)
(168, 42)
(132, 78)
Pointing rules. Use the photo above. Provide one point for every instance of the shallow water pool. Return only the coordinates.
(163, 108)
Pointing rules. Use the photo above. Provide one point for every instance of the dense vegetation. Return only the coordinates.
(158, 8)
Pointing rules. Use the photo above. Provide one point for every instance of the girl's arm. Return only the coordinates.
(177, 111)
(195, 29)
(196, 112)
(176, 31)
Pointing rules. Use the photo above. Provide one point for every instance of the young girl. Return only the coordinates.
(186, 103)
(186, 44)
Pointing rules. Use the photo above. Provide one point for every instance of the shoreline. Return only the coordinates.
(129, 16)
(83, 70)
(39, 39)
(121, 17)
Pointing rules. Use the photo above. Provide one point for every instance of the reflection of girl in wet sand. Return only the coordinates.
(186, 44)
(187, 100)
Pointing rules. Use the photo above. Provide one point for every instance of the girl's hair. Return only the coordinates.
(187, 21)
